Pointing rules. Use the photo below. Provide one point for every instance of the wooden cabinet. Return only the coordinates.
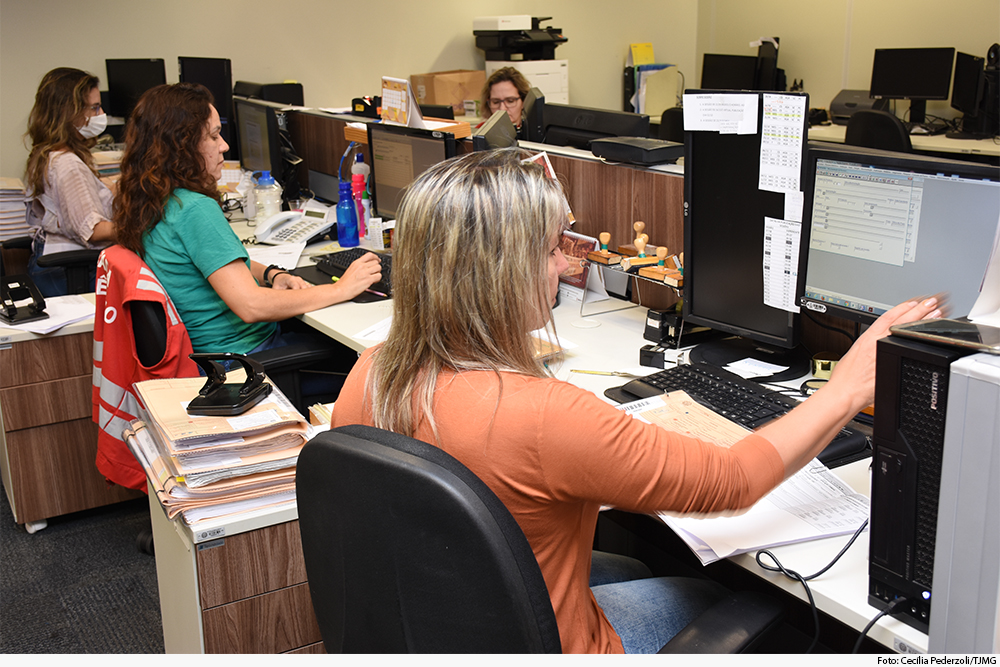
(244, 592)
(49, 441)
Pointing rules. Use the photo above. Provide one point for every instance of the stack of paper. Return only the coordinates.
(211, 467)
(108, 162)
(12, 222)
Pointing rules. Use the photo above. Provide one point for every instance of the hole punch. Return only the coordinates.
(217, 398)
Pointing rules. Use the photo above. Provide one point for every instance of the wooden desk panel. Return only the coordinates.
(319, 140)
(278, 622)
(42, 359)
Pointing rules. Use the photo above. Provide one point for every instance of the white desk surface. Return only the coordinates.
(11, 335)
(921, 142)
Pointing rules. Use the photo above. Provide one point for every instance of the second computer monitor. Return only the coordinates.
(128, 79)
(259, 133)
(216, 74)
(399, 155)
(887, 227)
(917, 75)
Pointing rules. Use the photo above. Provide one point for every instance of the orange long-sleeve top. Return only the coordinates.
(555, 453)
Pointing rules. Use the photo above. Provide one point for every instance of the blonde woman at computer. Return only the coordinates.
(168, 212)
(458, 370)
(68, 206)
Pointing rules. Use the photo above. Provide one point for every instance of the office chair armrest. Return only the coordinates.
(85, 256)
(735, 624)
(292, 357)
(17, 243)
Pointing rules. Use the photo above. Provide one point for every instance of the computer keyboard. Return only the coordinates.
(742, 401)
(336, 263)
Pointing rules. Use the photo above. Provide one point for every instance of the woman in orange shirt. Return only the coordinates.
(476, 268)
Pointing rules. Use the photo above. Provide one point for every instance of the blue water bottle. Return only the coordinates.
(347, 217)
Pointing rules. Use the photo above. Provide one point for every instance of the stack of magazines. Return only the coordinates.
(212, 467)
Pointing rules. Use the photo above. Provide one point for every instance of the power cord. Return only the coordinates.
(795, 576)
(888, 610)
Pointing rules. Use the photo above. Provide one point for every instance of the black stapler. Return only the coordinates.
(218, 399)
(20, 300)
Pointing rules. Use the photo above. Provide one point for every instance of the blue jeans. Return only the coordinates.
(647, 611)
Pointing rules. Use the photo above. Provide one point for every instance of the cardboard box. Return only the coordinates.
(453, 87)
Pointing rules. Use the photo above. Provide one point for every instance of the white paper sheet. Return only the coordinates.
(720, 112)
(781, 263)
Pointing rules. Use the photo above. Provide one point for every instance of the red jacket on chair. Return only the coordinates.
(122, 277)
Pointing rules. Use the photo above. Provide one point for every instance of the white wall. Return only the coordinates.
(830, 44)
(337, 49)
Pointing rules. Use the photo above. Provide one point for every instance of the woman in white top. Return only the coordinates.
(68, 206)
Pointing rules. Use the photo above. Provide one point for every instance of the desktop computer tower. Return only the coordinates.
(911, 398)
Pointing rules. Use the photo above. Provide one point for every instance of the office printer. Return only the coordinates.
(848, 101)
(504, 37)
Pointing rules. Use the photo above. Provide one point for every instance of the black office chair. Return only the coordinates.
(874, 128)
(672, 125)
(76, 263)
(406, 550)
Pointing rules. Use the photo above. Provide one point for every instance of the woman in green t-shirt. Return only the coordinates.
(168, 211)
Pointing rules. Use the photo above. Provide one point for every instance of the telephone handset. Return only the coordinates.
(293, 226)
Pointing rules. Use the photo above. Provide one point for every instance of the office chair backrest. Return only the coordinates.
(873, 128)
(407, 551)
(672, 125)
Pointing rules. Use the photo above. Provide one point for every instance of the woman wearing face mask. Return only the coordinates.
(68, 207)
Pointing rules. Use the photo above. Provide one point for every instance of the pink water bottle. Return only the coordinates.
(359, 183)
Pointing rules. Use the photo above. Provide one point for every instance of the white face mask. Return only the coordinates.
(94, 126)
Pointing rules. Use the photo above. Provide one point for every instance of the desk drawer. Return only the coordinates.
(32, 361)
(45, 403)
(251, 564)
(276, 622)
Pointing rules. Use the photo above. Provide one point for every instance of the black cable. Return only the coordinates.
(888, 610)
(850, 337)
(795, 576)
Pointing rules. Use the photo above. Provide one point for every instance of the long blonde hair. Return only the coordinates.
(470, 279)
(59, 103)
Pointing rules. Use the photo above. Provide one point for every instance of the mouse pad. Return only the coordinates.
(317, 277)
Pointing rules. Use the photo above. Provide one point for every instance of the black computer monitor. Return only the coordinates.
(442, 111)
(725, 72)
(216, 74)
(399, 155)
(729, 225)
(533, 125)
(577, 126)
(967, 96)
(128, 79)
(886, 227)
(917, 75)
(497, 132)
(259, 133)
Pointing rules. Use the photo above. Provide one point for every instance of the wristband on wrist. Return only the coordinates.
(267, 274)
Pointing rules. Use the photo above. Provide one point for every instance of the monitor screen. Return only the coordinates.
(128, 79)
(886, 227)
(578, 126)
(912, 74)
(216, 75)
(724, 72)
(260, 142)
(967, 89)
(739, 252)
(399, 155)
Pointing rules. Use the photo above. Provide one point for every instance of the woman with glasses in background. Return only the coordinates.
(506, 89)
(68, 206)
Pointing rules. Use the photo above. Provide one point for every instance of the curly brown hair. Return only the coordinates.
(59, 104)
(161, 155)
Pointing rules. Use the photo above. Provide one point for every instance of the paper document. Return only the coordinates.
(285, 255)
(781, 263)
(720, 112)
(61, 310)
(812, 504)
(680, 413)
(781, 136)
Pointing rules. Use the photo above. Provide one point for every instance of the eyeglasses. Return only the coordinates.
(94, 107)
(507, 102)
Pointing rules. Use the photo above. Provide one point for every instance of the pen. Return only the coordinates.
(370, 291)
(615, 373)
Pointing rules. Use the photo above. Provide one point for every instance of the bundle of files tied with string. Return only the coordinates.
(204, 468)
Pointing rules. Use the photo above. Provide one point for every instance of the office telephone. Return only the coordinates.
(294, 226)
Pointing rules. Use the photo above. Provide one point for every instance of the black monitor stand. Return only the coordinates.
(721, 353)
